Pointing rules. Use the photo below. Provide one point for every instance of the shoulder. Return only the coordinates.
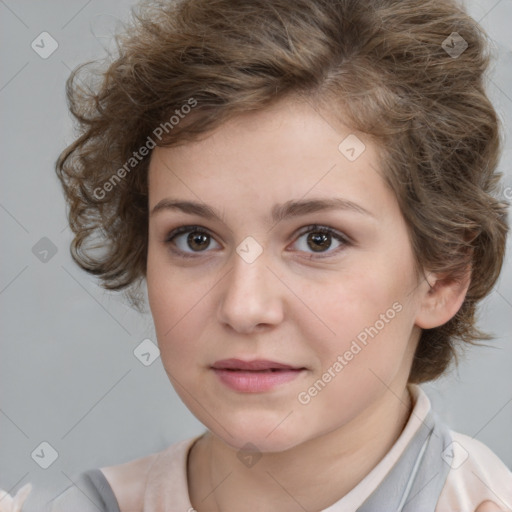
(117, 488)
(126, 487)
(135, 483)
(89, 492)
(476, 474)
(128, 481)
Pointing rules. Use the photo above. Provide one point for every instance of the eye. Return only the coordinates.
(319, 240)
(198, 240)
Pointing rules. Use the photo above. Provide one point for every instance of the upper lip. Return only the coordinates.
(254, 365)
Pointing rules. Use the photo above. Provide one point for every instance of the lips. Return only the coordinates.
(256, 376)
(258, 365)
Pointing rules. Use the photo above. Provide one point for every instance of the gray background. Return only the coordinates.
(68, 375)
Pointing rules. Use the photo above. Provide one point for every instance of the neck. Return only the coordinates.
(331, 464)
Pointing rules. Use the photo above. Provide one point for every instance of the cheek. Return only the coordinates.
(180, 303)
(369, 312)
(170, 293)
(359, 300)
(170, 301)
(359, 362)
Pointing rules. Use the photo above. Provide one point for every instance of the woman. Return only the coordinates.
(308, 190)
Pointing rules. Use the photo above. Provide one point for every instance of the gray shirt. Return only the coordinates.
(91, 492)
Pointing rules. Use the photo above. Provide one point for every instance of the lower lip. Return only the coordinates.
(255, 382)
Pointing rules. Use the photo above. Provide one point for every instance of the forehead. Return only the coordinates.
(255, 159)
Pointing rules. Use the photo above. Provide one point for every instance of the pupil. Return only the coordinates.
(320, 239)
(192, 239)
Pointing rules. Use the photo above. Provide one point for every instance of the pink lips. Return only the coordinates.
(254, 376)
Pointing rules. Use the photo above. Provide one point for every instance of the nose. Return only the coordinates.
(251, 296)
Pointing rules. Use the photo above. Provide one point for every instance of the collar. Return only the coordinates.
(413, 459)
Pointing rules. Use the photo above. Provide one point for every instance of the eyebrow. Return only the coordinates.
(293, 208)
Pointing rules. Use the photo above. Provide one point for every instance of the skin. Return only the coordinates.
(297, 303)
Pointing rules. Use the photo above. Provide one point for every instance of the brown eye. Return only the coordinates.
(198, 240)
(320, 239)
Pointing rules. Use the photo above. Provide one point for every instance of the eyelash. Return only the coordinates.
(314, 228)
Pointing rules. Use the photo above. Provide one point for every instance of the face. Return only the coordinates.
(279, 322)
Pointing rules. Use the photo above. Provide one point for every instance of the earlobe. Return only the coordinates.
(442, 298)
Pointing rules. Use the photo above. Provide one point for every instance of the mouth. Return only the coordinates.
(257, 365)
(254, 376)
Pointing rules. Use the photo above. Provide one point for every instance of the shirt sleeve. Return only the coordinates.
(477, 474)
(90, 492)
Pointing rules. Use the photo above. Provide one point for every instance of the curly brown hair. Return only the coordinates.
(399, 71)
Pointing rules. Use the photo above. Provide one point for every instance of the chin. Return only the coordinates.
(262, 434)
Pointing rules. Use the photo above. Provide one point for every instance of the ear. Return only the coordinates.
(441, 298)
